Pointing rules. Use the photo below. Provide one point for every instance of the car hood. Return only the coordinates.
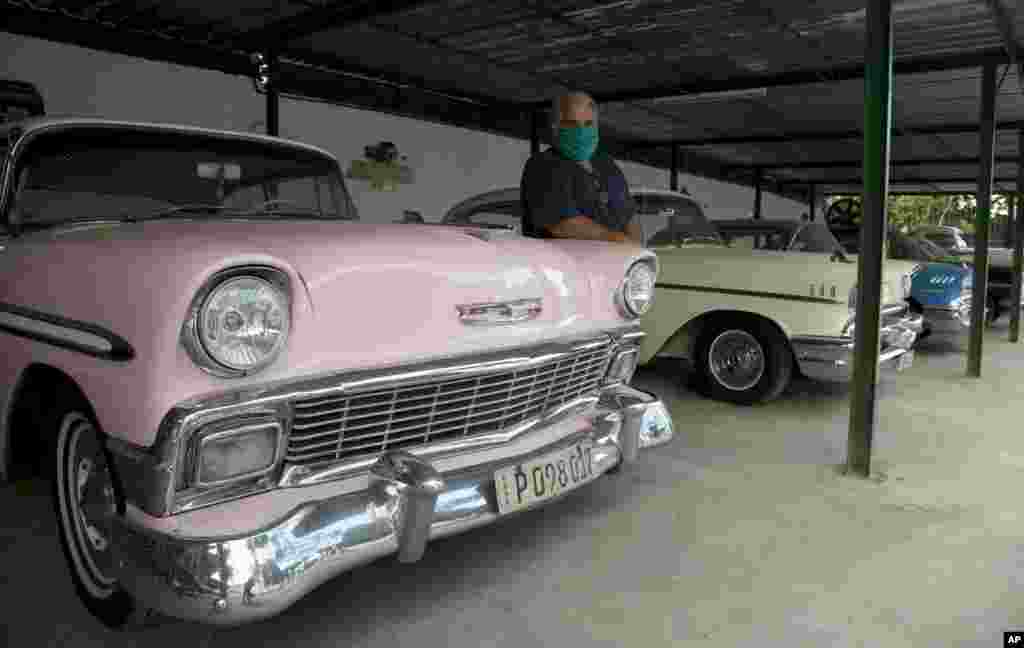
(363, 295)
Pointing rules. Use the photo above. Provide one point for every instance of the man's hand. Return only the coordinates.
(634, 232)
(581, 227)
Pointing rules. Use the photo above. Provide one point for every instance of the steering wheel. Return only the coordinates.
(844, 213)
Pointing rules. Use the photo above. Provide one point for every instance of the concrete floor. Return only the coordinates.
(741, 532)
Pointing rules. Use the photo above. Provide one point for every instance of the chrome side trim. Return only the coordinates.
(65, 333)
(154, 474)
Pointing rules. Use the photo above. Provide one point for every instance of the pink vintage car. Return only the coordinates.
(240, 391)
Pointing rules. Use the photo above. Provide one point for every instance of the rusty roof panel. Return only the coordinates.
(363, 45)
(458, 17)
(525, 50)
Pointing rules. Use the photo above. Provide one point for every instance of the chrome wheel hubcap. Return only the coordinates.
(736, 360)
(87, 504)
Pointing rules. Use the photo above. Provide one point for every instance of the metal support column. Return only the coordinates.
(812, 202)
(1007, 230)
(535, 119)
(758, 181)
(1018, 246)
(983, 219)
(273, 98)
(673, 181)
(877, 134)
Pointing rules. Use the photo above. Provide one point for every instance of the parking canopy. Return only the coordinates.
(767, 93)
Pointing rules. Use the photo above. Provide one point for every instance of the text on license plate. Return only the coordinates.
(540, 479)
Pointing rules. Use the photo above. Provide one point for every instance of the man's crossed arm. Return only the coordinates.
(582, 227)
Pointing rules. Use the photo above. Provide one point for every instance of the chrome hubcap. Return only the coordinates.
(88, 505)
(736, 360)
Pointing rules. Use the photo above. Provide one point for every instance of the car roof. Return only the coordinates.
(32, 125)
(512, 194)
(937, 228)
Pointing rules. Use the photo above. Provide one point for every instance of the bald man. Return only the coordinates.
(573, 190)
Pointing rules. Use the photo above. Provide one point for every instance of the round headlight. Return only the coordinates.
(243, 323)
(637, 292)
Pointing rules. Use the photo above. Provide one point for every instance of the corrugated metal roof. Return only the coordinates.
(785, 67)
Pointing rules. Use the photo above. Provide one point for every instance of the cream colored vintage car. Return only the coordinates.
(745, 320)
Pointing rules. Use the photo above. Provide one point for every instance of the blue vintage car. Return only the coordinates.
(942, 284)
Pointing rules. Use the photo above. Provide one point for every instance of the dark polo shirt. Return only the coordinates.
(554, 188)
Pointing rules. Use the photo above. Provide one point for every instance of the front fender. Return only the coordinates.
(674, 310)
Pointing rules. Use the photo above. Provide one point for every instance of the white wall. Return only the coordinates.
(450, 163)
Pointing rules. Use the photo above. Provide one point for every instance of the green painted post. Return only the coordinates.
(877, 134)
(983, 219)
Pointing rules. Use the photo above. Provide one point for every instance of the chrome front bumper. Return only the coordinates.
(233, 580)
(830, 358)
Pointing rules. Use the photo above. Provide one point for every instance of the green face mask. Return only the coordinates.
(578, 143)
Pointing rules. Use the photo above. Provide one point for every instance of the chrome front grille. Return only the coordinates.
(332, 428)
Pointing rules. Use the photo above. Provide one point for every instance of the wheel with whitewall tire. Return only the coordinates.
(84, 505)
(742, 360)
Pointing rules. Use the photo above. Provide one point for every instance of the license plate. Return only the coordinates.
(541, 479)
(905, 361)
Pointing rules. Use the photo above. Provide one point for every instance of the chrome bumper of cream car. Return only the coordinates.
(408, 501)
(829, 358)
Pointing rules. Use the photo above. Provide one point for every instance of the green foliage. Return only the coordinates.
(906, 212)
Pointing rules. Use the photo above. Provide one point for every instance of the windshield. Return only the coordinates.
(102, 173)
(814, 238)
(817, 238)
(669, 220)
(913, 248)
(946, 240)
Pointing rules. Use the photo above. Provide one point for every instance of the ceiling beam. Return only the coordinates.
(849, 72)
(315, 21)
(843, 164)
(1004, 23)
(810, 136)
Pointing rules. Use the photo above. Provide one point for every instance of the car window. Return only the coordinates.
(947, 241)
(815, 238)
(667, 220)
(90, 173)
(757, 239)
